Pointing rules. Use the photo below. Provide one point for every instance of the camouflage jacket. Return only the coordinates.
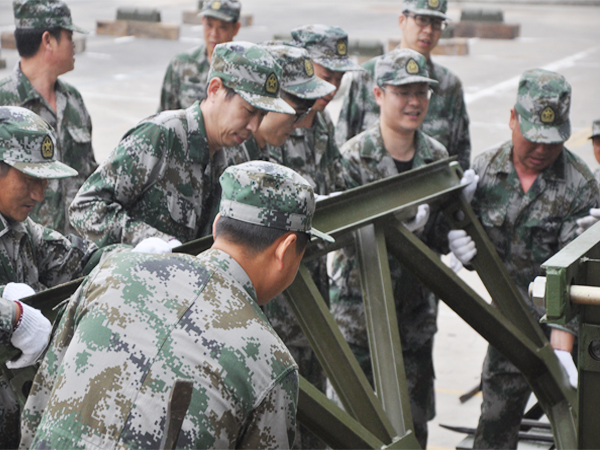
(185, 80)
(314, 154)
(159, 181)
(597, 175)
(416, 307)
(527, 229)
(7, 318)
(74, 138)
(447, 120)
(39, 256)
(138, 323)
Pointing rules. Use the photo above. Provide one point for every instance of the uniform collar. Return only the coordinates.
(219, 260)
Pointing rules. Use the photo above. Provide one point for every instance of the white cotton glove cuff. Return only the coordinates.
(470, 179)
(420, 220)
(31, 337)
(586, 222)
(462, 245)
(174, 242)
(152, 245)
(17, 291)
(566, 360)
(454, 263)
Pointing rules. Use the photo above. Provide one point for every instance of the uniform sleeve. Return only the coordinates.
(7, 317)
(272, 423)
(587, 197)
(460, 138)
(100, 209)
(169, 99)
(334, 163)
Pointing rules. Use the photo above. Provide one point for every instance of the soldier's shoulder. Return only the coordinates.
(485, 158)
(353, 147)
(438, 150)
(9, 93)
(369, 66)
(192, 55)
(445, 76)
(69, 89)
(578, 166)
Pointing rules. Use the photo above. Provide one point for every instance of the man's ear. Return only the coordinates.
(238, 24)
(47, 39)
(513, 121)
(214, 86)
(214, 226)
(378, 94)
(285, 244)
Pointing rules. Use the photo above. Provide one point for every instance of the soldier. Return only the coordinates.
(186, 78)
(392, 145)
(421, 23)
(160, 179)
(531, 192)
(44, 39)
(595, 137)
(178, 316)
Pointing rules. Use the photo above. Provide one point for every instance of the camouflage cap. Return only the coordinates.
(227, 10)
(27, 143)
(327, 46)
(298, 76)
(543, 103)
(402, 66)
(44, 14)
(251, 72)
(269, 195)
(436, 8)
(595, 128)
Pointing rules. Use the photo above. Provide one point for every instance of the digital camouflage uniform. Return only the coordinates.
(169, 317)
(447, 120)
(160, 180)
(416, 306)
(596, 133)
(527, 229)
(71, 120)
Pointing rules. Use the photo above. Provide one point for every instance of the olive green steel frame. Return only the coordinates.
(369, 217)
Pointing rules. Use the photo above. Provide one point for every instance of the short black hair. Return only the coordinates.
(28, 40)
(299, 103)
(229, 92)
(255, 237)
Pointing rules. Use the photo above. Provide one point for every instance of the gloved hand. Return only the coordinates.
(17, 291)
(462, 245)
(470, 179)
(585, 222)
(31, 336)
(319, 197)
(566, 360)
(454, 263)
(152, 245)
(420, 220)
(174, 242)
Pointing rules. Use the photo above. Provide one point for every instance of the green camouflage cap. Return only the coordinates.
(435, 8)
(227, 10)
(402, 66)
(327, 46)
(43, 14)
(27, 143)
(595, 128)
(269, 195)
(251, 72)
(543, 103)
(298, 76)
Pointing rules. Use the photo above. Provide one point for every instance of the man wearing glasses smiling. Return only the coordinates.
(421, 23)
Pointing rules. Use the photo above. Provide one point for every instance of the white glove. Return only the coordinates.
(31, 337)
(319, 197)
(454, 263)
(174, 242)
(585, 222)
(152, 245)
(566, 360)
(462, 245)
(420, 220)
(17, 291)
(470, 179)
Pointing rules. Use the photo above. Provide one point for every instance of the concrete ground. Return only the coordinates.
(120, 80)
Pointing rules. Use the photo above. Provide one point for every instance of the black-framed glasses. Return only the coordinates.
(302, 115)
(423, 21)
(406, 94)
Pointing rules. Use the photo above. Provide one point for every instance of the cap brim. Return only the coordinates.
(428, 12)
(411, 80)
(542, 134)
(75, 29)
(312, 89)
(50, 169)
(216, 15)
(338, 65)
(319, 235)
(266, 103)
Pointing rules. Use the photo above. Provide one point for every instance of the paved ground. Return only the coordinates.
(120, 80)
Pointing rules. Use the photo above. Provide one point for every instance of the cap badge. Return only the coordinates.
(272, 84)
(412, 67)
(433, 4)
(342, 47)
(308, 67)
(47, 148)
(548, 115)
(216, 5)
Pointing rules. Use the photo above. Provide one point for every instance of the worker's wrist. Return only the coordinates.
(18, 315)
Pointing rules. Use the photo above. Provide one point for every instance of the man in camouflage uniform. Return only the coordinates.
(160, 180)
(187, 317)
(421, 23)
(44, 38)
(394, 144)
(32, 258)
(531, 192)
(595, 137)
(186, 78)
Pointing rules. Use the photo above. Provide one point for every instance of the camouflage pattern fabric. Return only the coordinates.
(402, 66)
(447, 120)
(153, 319)
(597, 175)
(43, 14)
(159, 181)
(73, 127)
(416, 307)
(186, 80)
(227, 10)
(7, 318)
(435, 8)
(526, 230)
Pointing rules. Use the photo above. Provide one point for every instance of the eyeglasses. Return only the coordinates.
(405, 95)
(302, 115)
(423, 21)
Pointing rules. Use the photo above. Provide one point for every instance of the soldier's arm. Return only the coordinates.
(586, 197)
(168, 94)
(460, 140)
(8, 312)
